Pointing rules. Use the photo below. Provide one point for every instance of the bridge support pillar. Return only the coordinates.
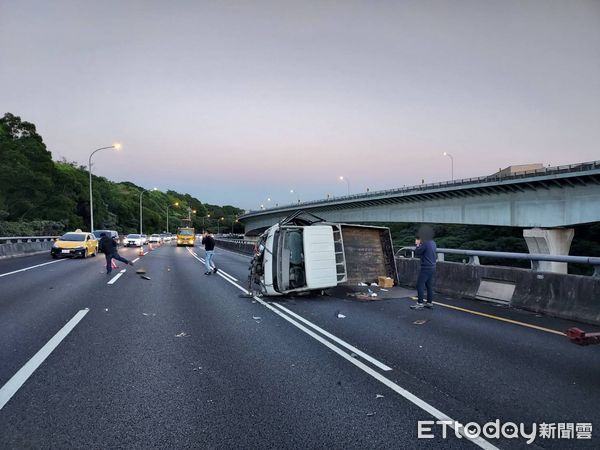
(549, 241)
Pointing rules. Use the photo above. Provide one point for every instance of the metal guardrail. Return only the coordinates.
(534, 258)
(556, 170)
(239, 245)
(22, 239)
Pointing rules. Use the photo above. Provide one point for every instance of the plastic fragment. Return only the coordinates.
(182, 334)
(374, 284)
(371, 414)
(341, 316)
(420, 322)
(379, 396)
(146, 277)
(362, 284)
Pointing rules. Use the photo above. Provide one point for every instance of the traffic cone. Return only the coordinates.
(141, 252)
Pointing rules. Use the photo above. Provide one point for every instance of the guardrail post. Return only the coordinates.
(596, 271)
(473, 261)
(440, 257)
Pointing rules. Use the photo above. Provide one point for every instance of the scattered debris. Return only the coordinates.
(140, 271)
(105, 309)
(374, 285)
(340, 316)
(420, 322)
(148, 314)
(379, 396)
(354, 355)
(146, 278)
(168, 269)
(257, 318)
(371, 414)
(384, 290)
(362, 284)
(372, 294)
(182, 334)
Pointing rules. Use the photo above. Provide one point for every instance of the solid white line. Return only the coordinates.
(386, 381)
(19, 378)
(336, 339)
(117, 276)
(135, 260)
(31, 267)
(227, 275)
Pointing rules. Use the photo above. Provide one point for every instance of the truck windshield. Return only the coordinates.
(186, 232)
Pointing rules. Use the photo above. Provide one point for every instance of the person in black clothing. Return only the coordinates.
(109, 247)
(426, 250)
(209, 247)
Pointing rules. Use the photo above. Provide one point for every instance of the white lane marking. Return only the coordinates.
(386, 381)
(117, 276)
(219, 272)
(31, 267)
(136, 260)
(19, 378)
(336, 339)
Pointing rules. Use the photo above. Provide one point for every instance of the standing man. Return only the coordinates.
(109, 247)
(209, 247)
(426, 250)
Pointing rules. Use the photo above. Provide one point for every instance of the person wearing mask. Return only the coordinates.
(109, 247)
(209, 247)
(426, 251)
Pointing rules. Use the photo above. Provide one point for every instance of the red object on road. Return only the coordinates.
(580, 337)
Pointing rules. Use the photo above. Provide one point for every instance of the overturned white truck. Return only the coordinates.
(304, 253)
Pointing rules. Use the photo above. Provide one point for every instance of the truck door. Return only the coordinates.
(319, 257)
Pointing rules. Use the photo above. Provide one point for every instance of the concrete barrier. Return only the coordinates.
(572, 297)
(12, 250)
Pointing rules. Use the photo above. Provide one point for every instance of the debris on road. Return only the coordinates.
(353, 355)
(146, 277)
(140, 271)
(148, 314)
(374, 285)
(257, 318)
(105, 309)
(182, 334)
(340, 316)
(379, 396)
(420, 321)
(371, 414)
(362, 284)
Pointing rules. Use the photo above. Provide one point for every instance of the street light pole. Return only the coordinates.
(168, 206)
(451, 163)
(141, 194)
(297, 195)
(116, 147)
(347, 182)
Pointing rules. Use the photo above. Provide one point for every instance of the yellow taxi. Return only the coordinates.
(75, 244)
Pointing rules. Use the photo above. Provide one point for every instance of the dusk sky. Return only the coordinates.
(235, 102)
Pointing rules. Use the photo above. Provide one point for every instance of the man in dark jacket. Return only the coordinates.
(426, 250)
(209, 247)
(109, 247)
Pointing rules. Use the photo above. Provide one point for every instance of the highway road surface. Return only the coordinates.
(183, 360)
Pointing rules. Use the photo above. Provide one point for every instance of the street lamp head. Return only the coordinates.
(341, 178)
(176, 203)
(445, 153)
(291, 191)
(117, 146)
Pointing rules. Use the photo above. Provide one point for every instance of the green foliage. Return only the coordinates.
(39, 196)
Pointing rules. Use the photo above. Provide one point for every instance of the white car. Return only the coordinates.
(133, 240)
(155, 239)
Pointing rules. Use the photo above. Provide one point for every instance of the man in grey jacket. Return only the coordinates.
(426, 250)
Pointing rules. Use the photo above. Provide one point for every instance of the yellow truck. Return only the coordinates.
(186, 236)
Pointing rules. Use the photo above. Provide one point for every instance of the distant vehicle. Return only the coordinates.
(155, 239)
(303, 253)
(186, 236)
(166, 237)
(133, 240)
(111, 233)
(144, 238)
(75, 244)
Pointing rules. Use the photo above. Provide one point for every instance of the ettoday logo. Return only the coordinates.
(508, 430)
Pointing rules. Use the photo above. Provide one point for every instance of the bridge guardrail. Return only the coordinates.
(534, 258)
(24, 239)
(239, 245)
